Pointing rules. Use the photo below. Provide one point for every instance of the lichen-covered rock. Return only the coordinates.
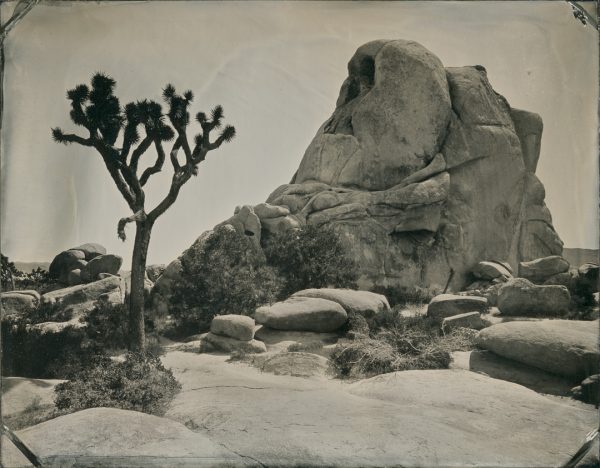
(521, 297)
(447, 305)
(540, 269)
(564, 347)
(364, 303)
(239, 327)
(302, 314)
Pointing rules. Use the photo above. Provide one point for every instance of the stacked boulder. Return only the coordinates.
(230, 333)
(454, 311)
(542, 288)
(84, 264)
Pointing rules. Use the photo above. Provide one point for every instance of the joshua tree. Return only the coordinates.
(99, 112)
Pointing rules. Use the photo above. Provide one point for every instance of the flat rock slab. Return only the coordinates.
(447, 305)
(297, 364)
(563, 347)
(228, 345)
(239, 327)
(302, 314)
(18, 393)
(413, 418)
(466, 320)
(490, 364)
(365, 303)
(113, 437)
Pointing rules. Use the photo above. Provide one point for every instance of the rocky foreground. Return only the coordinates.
(233, 414)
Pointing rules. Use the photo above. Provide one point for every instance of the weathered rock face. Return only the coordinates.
(424, 171)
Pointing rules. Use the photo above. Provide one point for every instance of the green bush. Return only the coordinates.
(311, 257)
(139, 383)
(27, 352)
(229, 275)
(8, 272)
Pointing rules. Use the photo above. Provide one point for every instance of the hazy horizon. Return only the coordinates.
(276, 67)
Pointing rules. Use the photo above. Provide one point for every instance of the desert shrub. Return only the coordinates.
(107, 325)
(37, 279)
(229, 275)
(583, 302)
(8, 271)
(138, 383)
(310, 347)
(398, 295)
(396, 343)
(311, 257)
(49, 312)
(355, 325)
(28, 352)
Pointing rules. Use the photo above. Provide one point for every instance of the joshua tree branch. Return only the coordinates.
(173, 155)
(179, 178)
(137, 153)
(160, 160)
(138, 216)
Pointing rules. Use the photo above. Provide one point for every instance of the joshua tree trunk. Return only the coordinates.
(99, 112)
(136, 298)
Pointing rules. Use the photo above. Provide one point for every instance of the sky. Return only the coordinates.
(276, 67)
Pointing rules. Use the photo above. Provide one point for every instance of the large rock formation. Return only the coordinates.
(423, 170)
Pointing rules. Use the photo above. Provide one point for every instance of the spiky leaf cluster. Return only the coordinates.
(104, 112)
(149, 114)
(178, 106)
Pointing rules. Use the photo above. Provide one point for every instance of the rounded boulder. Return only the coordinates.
(302, 314)
(239, 327)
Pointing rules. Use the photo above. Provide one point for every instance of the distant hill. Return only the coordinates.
(29, 266)
(577, 257)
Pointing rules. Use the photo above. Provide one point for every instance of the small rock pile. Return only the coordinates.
(543, 288)
(458, 311)
(84, 264)
(320, 310)
(230, 333)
